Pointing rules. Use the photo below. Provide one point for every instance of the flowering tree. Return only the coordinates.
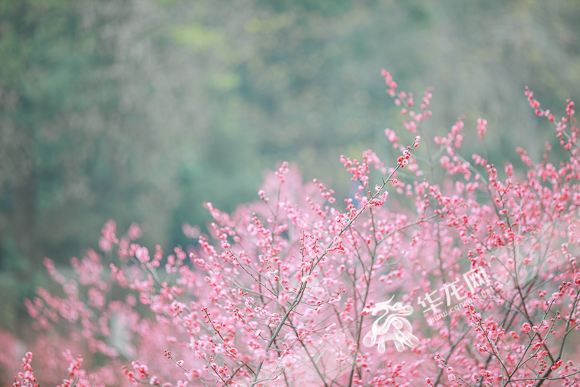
(475, 279)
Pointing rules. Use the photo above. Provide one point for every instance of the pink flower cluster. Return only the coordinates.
(276, 293)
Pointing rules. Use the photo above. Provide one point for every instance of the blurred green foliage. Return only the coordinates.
(141, 110)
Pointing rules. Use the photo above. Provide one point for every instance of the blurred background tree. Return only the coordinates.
(141, 110)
